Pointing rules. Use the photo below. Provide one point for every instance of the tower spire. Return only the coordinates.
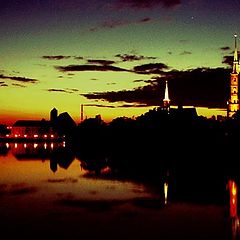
(233, 103)
(235, 59)
(166, 100)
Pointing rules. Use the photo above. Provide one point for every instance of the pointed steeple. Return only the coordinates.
(166, 100)
(235, 60)
(166, 96)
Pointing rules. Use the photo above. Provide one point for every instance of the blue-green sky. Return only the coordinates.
(113, 56)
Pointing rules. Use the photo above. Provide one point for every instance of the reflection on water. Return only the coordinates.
(40, 181)
(165, 192)
(45, 165)
(233, 208)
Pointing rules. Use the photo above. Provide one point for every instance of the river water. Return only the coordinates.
(46, 191)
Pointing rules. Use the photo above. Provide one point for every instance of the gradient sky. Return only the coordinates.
(113, 56)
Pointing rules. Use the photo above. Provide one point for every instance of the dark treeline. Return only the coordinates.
(202, 153)
(160, 138)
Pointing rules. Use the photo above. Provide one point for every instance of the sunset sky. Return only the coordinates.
(114, 56)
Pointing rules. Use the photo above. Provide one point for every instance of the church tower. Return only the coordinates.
(166, 100)
(233, 103)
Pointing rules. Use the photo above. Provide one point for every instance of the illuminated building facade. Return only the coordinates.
(233, 103)
(32, 129)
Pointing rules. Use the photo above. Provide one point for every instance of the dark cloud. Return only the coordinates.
(137, 95)
(150, 68)
(3, 84)
(108, 24)
(80, 68)
(58, 90)
(72, 89)
(112, 83)
(18, 85)
(138, 80)
(78, 58)
(132, 57)
(201, 87)
(147, 4)
(101, 62)
(19, 79)
(65, 90)
(145, 81)
(228, 60)
(225, 48)
(185, 53)
(57, 57)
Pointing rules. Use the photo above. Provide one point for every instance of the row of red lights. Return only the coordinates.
(35, 135)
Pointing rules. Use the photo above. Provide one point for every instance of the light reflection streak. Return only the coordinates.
(165, 193)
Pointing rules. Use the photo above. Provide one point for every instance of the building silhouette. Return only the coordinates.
(58, 126)
(233, 102)
(53, 115)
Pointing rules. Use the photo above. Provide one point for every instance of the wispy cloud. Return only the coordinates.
(225, 48)
(78, 57)
(133, 57)
(185, 53)
(147, 4)
(65, 90)
(3, 84)
(109, 24)
(72, 89)
(56, 57)
(58, 90)
(101, 62)
(19, 79)
(18, 85)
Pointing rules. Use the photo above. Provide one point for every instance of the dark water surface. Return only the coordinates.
(47, 191)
